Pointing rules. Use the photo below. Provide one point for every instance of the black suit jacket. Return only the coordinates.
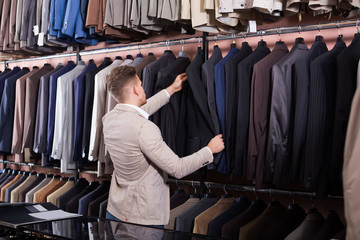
(244, 76)
(88, 107)
(347, 63)
(231, 86)
(150, 72)
(321, 114)
(68, 195)
(301, 100)
(199, 126)
(168, 118)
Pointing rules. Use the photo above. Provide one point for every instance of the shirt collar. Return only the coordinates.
(141, 111)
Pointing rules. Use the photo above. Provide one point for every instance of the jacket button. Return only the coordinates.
(65, 25)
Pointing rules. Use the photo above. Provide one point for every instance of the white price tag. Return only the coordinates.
(252, 26)
(226, 6)
(36, 30)
(41, 39)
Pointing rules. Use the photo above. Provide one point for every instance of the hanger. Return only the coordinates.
(72, 178)
(215, 44)
(312, 208)
(167, 43)
(357, 28)
(40, 174)
(118, 57)
(233, 44)
(340, 36)
(261, 43)
(139, 54)
(279, 41)
(273, 202)
(225, 195)
(299, 39)
(182, 53)
(178, 190)
(129, 57)
(33, 173)
(26, 173)
(319, 38)
(49, 175)
(209, 194)
(56, 177)
(195, 194)
(93, 182)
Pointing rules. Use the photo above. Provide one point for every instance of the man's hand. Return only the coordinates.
(216, 144)
(177, 84)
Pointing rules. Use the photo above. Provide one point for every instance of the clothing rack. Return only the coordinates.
(31, 165)
(245, 188)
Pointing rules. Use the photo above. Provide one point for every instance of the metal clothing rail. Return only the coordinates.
(284, 30)
(23, 164)
(139, 46)
(250, 189)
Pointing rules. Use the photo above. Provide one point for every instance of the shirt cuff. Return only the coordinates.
(210, 151)
(167, 93)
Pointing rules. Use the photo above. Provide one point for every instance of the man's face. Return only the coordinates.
(142, 95)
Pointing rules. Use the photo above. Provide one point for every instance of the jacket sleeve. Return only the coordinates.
(154, 103)
(156, 150)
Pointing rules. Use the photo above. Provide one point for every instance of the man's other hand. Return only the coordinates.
(216, 144)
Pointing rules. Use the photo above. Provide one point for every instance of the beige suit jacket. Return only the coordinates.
(53, 197)
(15, 193)
(351, 168)
(138, 191)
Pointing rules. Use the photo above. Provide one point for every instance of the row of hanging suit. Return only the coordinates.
(238, 218)
(283, 114)
(80, 196)
(55, 113)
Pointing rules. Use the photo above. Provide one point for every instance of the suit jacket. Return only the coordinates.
(28, 21)
(52, 104)
(267, 219)
(4, 29)
(14, 198)
(169, 118)
(351, 164)
(260, 102)
(322, 96)
(301, 100)
(42, 116)
(19, 111)
(73, 205)
(331, 226)
(149, 163)
(208, 79)
(231, 82)
(32, 86)
(64, 120)
(66, 197)
(180, 209)
(215, 225)
(140, 67)
(99, 108)
(94, 206)
(185, 221)
(13, 186)
(102, 209)
(178, 198)
(29, 197)
(85, 200)
(53, 197)
(308, 228)
(25, 190)
(202, 220)
(6, 76)
(139, 59)
(7, 111)
(346, 62)
(220, 96)
(151, 70)
(7, 185)
(79, 95)
(88, 107)
(278, 167)
(39, 194)
(51, 189)
(200, 128)
(231, 229)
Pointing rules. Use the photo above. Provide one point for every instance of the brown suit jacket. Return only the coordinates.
(38, 194)
(3, 189)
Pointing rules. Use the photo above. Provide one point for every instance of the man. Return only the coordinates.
(142, 160)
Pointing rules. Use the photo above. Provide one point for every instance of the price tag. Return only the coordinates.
(36, 30)
(41, 39)
(252, 26)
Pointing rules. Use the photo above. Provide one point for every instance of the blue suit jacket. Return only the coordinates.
(6, 76)
(7, 111)
(74, 25)
(79, 94)
(57, 13)
(220, 96)
(52, 103)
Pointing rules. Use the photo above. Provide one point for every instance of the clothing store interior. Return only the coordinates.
(276, 78)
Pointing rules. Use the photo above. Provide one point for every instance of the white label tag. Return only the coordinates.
(40, 208)
(41, 39)
(252, 26)
(226, 6)
(27, 154)
(36, 30)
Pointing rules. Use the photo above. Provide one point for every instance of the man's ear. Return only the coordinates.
(135, 90)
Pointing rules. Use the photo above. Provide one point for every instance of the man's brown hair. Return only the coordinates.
(118, 78)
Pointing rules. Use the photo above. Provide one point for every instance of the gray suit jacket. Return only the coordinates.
(64, 122)
(280, 130)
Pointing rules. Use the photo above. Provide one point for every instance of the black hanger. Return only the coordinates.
(279, 42)
(93, 182)
(57, 176)
(40, 174)
(107, 59)
(319, 38)
(15, 172)
(64, 178)
(233, 45)
(261, 43)
(129, 57)
(209, 194)
(49, 175)
(118, 57)
(195, 194)
(299, 40)
(216, 46)
(91, 61)
(20, 173)
(178, 190)
(226, 195)
(26, 173)
(72, 178)
(340, 38)
(139, 55)
(150, 54)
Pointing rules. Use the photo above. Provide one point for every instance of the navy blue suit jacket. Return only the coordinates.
(98, 192)
(6, 76)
